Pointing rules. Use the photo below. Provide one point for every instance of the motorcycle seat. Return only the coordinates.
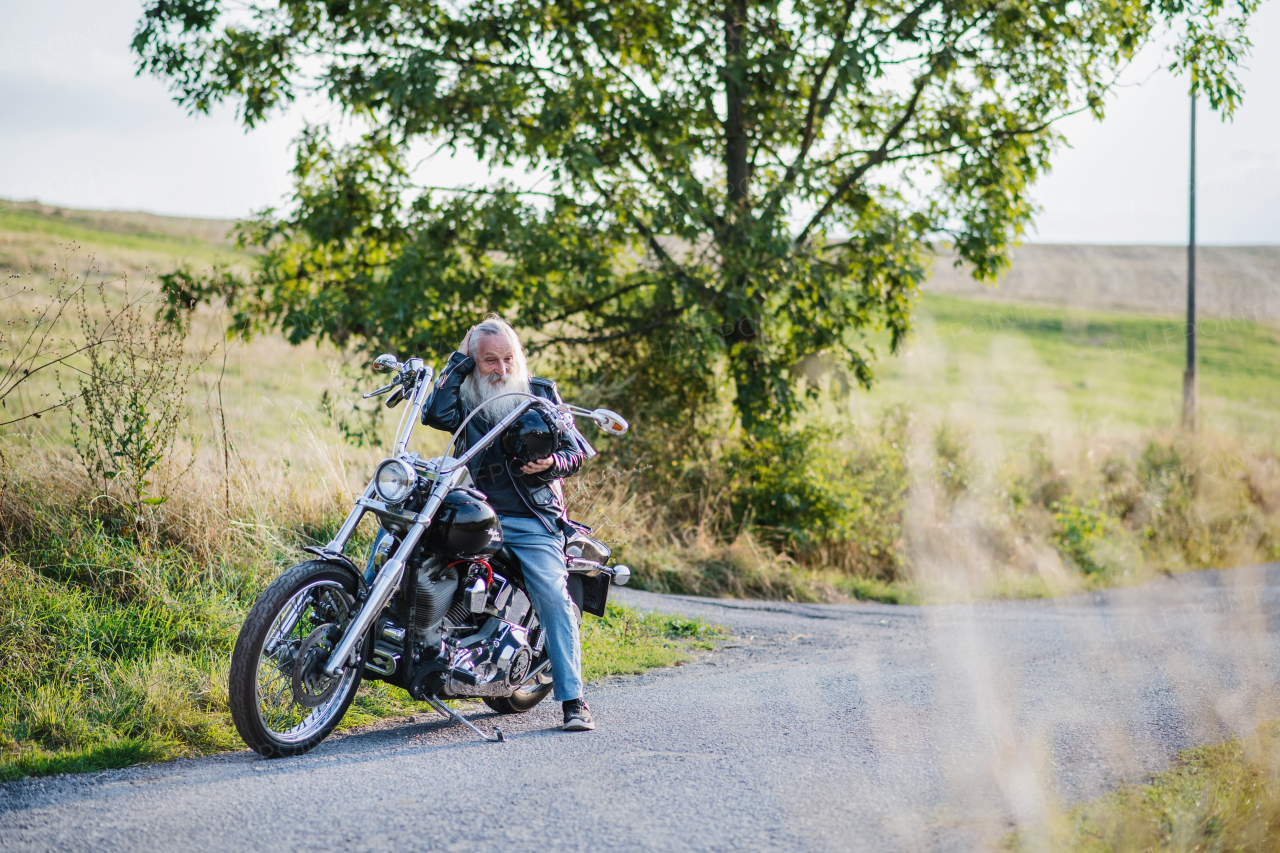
(507, 563)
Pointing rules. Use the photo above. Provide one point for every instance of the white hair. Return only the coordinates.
(477, 390)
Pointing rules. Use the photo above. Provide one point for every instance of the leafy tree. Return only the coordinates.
(726, 187)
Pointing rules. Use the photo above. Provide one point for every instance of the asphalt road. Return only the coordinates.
(817, 728)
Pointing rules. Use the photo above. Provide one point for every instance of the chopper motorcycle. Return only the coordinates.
(441, 610)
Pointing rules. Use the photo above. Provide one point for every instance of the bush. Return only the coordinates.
(826, 497)
(1082, 533)
(1206, 503)
(952, 468)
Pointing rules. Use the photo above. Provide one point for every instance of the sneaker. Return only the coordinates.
(577, 716)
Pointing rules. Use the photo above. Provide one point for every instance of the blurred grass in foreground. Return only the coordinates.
(1219, 797)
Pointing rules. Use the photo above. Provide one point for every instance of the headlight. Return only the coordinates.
(394, 480)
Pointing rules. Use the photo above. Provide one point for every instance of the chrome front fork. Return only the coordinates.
(389, 576)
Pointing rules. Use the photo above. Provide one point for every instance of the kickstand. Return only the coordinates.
(435, 702)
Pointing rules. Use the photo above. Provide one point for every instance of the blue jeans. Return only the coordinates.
(547, 578)
(542, 558)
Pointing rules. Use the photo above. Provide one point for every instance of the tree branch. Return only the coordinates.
(596, 303)
(817, 113)
(662, 320)
(875, 159)
(42, 411)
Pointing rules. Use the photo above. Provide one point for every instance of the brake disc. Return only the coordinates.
(311, 687)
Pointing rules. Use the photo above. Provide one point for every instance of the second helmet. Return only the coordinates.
(534, 436)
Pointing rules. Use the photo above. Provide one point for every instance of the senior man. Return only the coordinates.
(529, 500)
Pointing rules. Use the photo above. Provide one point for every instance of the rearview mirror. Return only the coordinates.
(610, 422)
(385, 363)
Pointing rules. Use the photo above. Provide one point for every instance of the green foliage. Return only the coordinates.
(1080, 530)
(772, 173)
(1217, 797)
(826, 495)
(1040, 482)
(787, 482)
(1200, 505)
(952, 470)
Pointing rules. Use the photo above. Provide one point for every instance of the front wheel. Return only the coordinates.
(281, 701)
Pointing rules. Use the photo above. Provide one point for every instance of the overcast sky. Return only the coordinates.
(79, 129)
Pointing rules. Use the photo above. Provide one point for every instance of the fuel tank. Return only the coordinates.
(466, 526)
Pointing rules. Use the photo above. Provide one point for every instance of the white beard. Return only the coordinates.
(477, 389)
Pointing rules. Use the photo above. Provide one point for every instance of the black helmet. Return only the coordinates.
(534, 436)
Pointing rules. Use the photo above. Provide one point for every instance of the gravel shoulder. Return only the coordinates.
(816, 727)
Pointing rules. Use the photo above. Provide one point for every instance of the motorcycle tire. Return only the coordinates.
(521, 700)
(264, 685)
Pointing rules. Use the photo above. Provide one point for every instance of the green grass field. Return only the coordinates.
(1021, 368)
(34, 236)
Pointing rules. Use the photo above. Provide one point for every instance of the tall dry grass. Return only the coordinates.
(924, 511)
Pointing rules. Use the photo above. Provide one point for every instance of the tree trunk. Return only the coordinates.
(735, 126)
(741, 341)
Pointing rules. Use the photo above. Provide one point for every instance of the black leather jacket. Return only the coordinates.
(542, 493)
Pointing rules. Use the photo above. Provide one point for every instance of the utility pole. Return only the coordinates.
(1189, 378)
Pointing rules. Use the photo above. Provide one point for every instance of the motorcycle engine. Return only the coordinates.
(492, 662)
(492, 659)
(437, 583)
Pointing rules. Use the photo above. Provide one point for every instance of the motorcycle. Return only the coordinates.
(441, 610)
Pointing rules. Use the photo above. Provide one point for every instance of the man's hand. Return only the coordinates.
(538, 467)
(462, 348)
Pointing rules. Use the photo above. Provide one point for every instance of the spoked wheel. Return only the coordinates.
(526, 700)
(281, 700)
